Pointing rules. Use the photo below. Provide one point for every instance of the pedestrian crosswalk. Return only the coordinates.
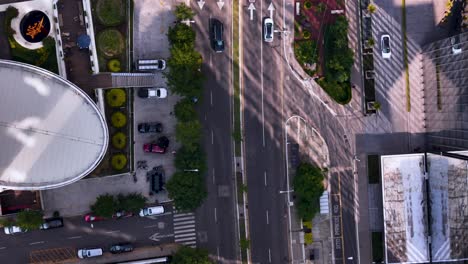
(184, 229)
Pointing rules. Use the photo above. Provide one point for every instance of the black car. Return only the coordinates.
(52, 223)
(217, 29)
(163, 142)
(156, 177)
(154, 127)
(121, 248)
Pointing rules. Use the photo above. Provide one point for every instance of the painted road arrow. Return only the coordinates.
(251, 9)
(271, 8)
(220, 4)
(201, 3)
(156, 237)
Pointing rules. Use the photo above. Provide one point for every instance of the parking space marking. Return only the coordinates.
(35, 243)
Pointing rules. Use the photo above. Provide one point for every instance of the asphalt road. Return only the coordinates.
(77, 233)
(216, 218)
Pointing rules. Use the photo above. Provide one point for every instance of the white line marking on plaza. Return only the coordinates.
(215, 216)
(267, 219)
(74, 237)
(35, 243)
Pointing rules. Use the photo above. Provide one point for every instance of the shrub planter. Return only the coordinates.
(118, 161)
(307, 5)
(119, 140)
(114, 65)
(110, 43)
(116, 97)
(118, 119)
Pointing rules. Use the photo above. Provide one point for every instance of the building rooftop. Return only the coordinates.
(417, 231)
(51, 133)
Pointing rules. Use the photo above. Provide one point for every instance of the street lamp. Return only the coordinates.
(192, 170)
(289, 191)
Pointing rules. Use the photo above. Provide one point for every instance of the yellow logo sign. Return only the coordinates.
(35, 29)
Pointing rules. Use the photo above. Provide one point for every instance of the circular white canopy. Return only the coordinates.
(51, 132)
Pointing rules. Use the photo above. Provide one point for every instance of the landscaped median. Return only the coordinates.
(330, 64)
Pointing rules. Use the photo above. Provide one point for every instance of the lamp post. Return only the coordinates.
(191, 170)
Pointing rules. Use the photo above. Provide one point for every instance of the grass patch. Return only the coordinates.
(237, 131)
(305, 52)
(110, 12)
(377, 247)
(405, 55)
(373, 168)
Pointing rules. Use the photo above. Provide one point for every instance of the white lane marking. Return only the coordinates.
(261, 81)
(184, 218)
(217, 251)
(267, 219)
(35, 243)
(212, 137)
(2, 248)
(181, 228)
(185, 235)
(265, 179)
(113, 231)
(269, 255)
(211, 58)
(150, 226)
(74, 237)
(184, 222)
(186, 239)
(211, 98)
(215, 216)
(213, 176)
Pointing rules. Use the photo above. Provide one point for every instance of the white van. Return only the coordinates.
(151, 211)
(89, 252)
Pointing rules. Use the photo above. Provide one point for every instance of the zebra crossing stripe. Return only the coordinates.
(182, 214)
(184, 231)
(184, 223)
(185, 239)
(184, 235)
(184, 218)
(183, 227)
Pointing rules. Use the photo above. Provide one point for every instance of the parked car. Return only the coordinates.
(153, 127)
(121, 248)
(217, 30)
(93, 218)
(456, 46)
(385, 46)
(10, 230)
(122, 214)
(89, 252)
(151, 65)
(156, 178)
(157, 147)
(268, 29)
(155, 210)
(159, 93)
(52, 223)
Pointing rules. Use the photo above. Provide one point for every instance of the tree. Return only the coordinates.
(187, 255)
(308, 187)
(105, 206)
(189, 134)
(371, 8)
(185, 57)
(185, 81)
(182, 12)
(181, 35)
(186, 158)
(6, 222)
(132, 202)
(29, 219)
(187, 189)
(184, 111)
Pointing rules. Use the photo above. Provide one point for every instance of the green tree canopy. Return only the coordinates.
(182, 12)
(189, 134)
(187, 189)
(184, 110)
(185, 57)
(29, 219)
(181, 35)
(308, 187)
(186, 158)
(132, 202)
(187, 255)
(185, 81)
(105, 206)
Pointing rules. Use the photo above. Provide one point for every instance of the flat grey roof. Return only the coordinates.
(51, 132)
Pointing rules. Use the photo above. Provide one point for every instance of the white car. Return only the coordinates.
(89, 252)
(268, 29)
(385, 46)
(456, 46)
(152, 93)
(10, 230)
(151, 211)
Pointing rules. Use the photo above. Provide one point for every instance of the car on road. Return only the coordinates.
(122, 214)
(121, 248)
(153, 127)
(89, 252)
(456, 46)
(93, 218)
(217, 31)
(157, 147)
(268, 29)
(52, 223)
(148, 211)
(385, 46)
(149, 93)
(10, 230)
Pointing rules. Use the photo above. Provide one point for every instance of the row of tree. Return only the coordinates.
(27, 220)
(186, 187)
(106, 205)
(308, 187)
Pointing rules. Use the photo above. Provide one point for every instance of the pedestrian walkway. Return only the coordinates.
(133, 79)
(184, 229)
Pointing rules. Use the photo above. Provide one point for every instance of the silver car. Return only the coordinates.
(268, 29)
(385, 46)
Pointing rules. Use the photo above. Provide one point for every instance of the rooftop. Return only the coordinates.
(51, 132)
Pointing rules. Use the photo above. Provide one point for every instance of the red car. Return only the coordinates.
(153, 148)
(93, 218)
